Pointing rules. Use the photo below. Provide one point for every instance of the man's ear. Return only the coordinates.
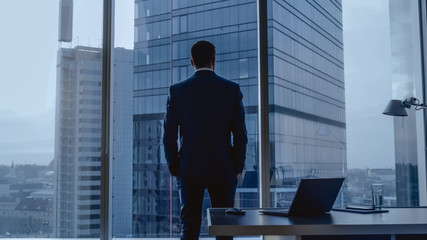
(192, 62)
(213, 63)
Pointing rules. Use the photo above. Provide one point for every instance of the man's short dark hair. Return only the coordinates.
(202, 53)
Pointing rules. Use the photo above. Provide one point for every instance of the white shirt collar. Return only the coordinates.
(201, 69)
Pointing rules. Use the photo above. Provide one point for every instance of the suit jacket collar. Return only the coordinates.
(204, 72)
(202, 69)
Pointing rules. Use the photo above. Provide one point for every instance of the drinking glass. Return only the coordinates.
(377, 195)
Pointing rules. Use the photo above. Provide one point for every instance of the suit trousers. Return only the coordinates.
(191, 192)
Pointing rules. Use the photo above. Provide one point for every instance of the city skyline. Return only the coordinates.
(37, 147)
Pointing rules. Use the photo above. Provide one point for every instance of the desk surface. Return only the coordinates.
(396, 221)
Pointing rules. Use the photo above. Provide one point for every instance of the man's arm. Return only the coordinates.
(170, 136)
(240, 139)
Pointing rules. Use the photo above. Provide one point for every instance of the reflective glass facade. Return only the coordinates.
(306, 83)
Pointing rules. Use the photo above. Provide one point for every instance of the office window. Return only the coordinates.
(326, 116)
(50, 113)
(183, 22)
(333, 66)
(395, 67)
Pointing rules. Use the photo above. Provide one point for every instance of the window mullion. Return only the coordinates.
(263, 117)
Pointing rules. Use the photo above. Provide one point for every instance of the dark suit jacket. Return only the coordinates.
(205, 109)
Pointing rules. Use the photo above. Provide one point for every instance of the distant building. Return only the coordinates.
(122, 135)
(26, 202)
(78, 141)
(4, 188)
(382, 174)
(7, 206)
(43, 194)
(38, 214)
(23, 190)
(26, 217)
(12, 173)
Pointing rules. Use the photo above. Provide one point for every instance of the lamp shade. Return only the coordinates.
(395, 108)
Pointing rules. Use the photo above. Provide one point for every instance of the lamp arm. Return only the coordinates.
(420, 106)
(413, 102)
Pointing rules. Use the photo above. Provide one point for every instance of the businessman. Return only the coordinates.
(206, 112)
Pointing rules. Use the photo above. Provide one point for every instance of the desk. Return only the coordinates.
(396, 221)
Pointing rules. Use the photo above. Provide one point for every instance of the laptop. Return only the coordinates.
(313, 196)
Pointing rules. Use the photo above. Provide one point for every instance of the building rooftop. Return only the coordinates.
(33, 204)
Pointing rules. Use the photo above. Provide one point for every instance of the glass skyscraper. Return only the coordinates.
(306, 85)
(306, 82)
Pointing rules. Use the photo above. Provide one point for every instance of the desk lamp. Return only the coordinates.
(397, 107)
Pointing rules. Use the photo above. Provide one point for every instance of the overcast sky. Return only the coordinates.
(370, 139)
(28, 75)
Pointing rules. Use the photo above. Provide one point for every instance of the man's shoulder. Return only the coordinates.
(181, 84)
(227, 82)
